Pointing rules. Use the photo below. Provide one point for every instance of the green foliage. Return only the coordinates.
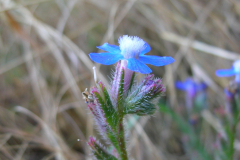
(109, 111)
(100, 153)
(231, 129)
(140, 100)
(186, 128)
(141, 108)
(120, 99)
(114, 140)
(131, 83)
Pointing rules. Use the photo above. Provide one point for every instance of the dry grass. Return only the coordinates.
(44, 46)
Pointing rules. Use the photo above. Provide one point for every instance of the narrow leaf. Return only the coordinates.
(120, 100)
(98, 150)
(109, 112)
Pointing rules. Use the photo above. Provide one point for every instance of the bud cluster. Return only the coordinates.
(110, 106)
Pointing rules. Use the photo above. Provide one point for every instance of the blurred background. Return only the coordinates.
(44, 68)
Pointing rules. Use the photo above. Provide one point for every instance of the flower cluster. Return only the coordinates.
(126, 95)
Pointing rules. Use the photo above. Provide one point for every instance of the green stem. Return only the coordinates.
(236, 111)
(120, 134)
(121, 141)
(232, 138)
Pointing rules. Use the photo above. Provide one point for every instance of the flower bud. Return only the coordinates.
(140, 100)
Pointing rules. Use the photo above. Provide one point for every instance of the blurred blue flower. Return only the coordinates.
(231, 90)
(229, 95)
(234, 70)
(190, 86)
(131, 49)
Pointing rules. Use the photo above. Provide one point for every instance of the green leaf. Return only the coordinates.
(120, 100)
(99, 152)
(131, 82)
(109, 112)
(232, 130)
(113, 139)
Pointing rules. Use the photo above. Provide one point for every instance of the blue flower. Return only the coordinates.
(131, 49)
(190, 86)
(234, 70)
(229, 95)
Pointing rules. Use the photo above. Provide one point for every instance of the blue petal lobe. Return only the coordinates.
(137, 66)
(180, 85)
(225, 72)
(105, 58)
(147, 49)
(156, 60)
(110, 48)
(202, 86)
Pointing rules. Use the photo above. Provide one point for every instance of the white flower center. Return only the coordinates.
(236, 66)
(131, 46)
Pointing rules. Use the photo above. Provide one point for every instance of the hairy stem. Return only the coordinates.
(231, 150)
(236, 112)
(121, 141)
(232, 138)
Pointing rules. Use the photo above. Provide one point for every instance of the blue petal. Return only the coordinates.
(202, 86)
(105, 58)
(156, 60)
(180, 85)
(190, 82)
(137, 66)
(147, 49)
(225, 72)
(110, 48)
(228, 93)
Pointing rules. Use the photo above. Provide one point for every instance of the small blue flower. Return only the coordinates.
(229, 95)
(131, 49)
(190, 86)
(234, 70)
